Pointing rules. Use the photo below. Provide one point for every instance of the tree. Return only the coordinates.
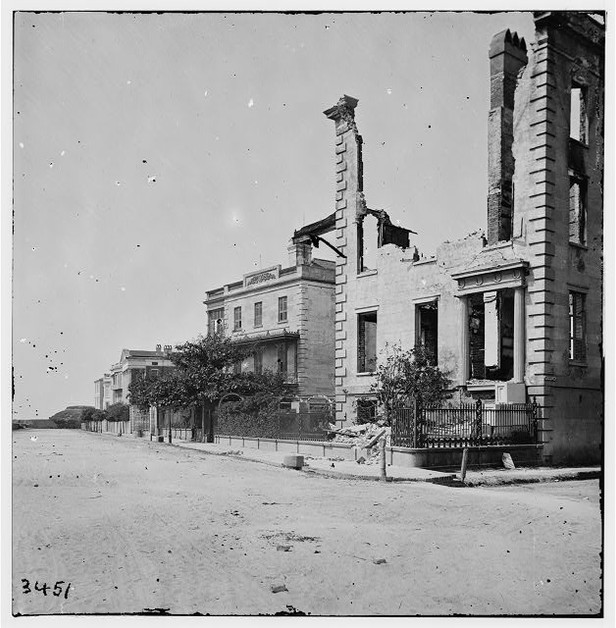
(117, 412)
(203, 374)
(405, 376)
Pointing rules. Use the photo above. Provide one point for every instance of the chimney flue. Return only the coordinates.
(507, 58)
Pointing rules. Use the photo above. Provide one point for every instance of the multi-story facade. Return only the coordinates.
(136, 363)
(286, 315)
(113, 387)
(102, 392)
(515, 313)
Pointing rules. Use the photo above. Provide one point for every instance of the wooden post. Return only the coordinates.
(464, 463)
(203, 423)
(383, 461)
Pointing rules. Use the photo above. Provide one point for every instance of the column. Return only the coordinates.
(519, 340)
(464, 340)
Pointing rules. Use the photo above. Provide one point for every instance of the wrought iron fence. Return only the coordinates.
(302, 425)
(465, 424)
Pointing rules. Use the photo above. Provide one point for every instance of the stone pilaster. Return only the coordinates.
(349, 202)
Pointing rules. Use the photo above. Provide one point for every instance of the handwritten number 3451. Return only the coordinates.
(43, 587)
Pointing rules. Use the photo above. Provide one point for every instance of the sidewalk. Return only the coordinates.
(349, 469)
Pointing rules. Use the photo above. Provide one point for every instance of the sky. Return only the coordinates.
(157, 156)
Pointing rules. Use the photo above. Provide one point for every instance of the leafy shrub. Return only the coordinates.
(255, 416)
(117, 412)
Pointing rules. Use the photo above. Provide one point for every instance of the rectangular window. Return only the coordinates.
(282, 309)
(577, 210)
(258, 356)
(237, 318)
(577, 326)
(366, 410)
(366, 342)
(282, 359)
(215, 320)
(426, 329)
(578, 119)
(258, 314)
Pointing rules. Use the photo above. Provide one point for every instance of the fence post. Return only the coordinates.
(464, 464)
(479, 418)
(383, 460)
(415, 420)
(534, 416)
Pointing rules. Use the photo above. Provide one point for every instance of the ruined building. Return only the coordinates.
(516, 313)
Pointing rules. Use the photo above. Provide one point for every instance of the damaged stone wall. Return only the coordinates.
(569, 50)
(527, 259)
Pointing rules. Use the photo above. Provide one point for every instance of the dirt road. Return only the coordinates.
(135, 525)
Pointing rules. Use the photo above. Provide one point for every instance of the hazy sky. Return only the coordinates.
(160, 156)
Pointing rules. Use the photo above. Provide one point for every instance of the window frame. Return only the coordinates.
(237, 318)
(363, 360)
(214, 317)
(581, 210)
(577, 327)
(580, 124)
(258, 320)
(283, 313)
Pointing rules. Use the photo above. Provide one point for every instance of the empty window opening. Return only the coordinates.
(491, 335)
(366, 342)
(366, 410)
(258, 318)
(577, 326)
(578, 120)
(237, 318)
(577, 210)
(426, 329)
(367, 243)
(282, 309)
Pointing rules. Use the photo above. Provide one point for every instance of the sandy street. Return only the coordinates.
(132, 525)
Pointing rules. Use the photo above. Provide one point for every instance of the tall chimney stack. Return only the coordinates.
(507, 58)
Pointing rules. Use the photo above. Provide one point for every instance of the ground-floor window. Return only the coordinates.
(366, 410)
(577, 326)
(491, 335)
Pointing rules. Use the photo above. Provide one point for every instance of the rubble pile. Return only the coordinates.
(365, 437)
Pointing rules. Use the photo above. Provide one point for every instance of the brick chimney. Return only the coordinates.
(507, 58)
(300, 253)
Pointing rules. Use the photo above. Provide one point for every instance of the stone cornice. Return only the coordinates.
(494, 277)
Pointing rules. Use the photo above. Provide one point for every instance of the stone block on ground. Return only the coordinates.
(293, 461)
(508, 461)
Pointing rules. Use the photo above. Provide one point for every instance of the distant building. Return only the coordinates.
(136, 363)
(286, 316)
(113, 387)
(102, 392)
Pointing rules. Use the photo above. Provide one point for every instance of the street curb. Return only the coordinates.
(565, 477)
(451, 480)
(341, 475)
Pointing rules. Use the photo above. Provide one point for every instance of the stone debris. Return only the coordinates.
(508, 461)
(283, 548)
(279, 588)
(379, 561)
(365, 437)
